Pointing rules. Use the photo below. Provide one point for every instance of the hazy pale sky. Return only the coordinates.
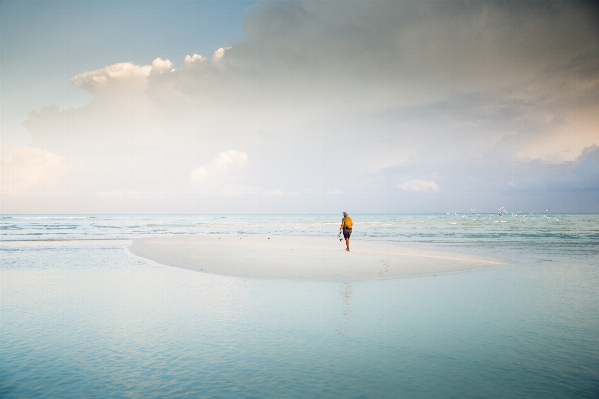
(299, 106)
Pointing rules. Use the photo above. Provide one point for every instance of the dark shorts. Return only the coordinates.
(346, 233)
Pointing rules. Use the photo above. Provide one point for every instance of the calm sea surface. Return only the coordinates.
(80, 316)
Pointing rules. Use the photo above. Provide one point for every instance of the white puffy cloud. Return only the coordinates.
(122, 76)
(191, 60)
(419, 186)
(221, 165)
(160, 66)
(219, 54)
(31, 170)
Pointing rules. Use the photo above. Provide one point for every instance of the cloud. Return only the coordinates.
(196, 59)
(122, 76)
(471, 95)
(219, 54)
(31, 170)
(219, 167)
(160, 66)
(279, 193)
(581, 175)
(274, 193)
(120, 196)
(585, 177)
(419, 186)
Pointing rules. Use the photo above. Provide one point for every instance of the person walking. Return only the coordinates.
(346, 226)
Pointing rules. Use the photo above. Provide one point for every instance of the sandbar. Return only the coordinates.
(301, 257)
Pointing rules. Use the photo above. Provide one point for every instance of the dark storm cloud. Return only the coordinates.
(579, 176)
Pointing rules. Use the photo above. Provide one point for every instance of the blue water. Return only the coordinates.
(80, 316)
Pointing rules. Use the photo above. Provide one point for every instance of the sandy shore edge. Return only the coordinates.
(290, 257)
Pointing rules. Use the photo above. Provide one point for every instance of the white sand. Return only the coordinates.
(287, 257)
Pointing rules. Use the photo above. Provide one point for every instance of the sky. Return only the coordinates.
(299, 106)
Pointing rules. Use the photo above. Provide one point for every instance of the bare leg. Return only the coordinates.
(347, 244)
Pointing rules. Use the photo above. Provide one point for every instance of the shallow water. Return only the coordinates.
(82, 317)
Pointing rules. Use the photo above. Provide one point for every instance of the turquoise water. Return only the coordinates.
(82, 317)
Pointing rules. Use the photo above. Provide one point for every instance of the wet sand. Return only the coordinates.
(290, 257)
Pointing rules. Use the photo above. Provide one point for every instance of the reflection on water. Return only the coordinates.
(346, 297)
(347, 294)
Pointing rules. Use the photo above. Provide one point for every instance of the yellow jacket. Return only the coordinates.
(347, 223)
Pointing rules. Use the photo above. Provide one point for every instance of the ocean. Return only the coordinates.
(80, 316)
